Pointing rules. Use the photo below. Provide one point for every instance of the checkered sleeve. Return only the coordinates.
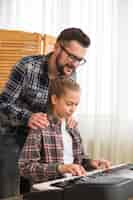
(32, 165)
(81, 157)
(11, 92)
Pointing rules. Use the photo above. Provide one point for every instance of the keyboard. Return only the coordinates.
(94, 180)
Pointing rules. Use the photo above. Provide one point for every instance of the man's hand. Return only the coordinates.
(38, 120)
(100, 164)
(71, 122)
(74, 169)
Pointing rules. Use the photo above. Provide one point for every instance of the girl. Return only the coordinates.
(51, 152)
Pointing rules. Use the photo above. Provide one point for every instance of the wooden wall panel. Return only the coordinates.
(48, 43)
(13, 46)
(17, 44)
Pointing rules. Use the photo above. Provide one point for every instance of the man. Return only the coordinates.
(23, 101)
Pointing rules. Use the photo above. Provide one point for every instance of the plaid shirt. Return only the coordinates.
(43, 151)
(25, 93)
(27, 89)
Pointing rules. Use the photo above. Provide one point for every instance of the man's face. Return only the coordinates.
(69, 57)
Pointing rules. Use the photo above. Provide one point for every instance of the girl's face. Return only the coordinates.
(65, 105)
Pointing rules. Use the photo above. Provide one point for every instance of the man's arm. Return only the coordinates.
(11, 92)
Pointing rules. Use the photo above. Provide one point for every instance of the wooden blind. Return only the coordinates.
(48, 43)
(13, 46)
(17, 44)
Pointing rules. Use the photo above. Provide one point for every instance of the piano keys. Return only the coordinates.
(115, 184)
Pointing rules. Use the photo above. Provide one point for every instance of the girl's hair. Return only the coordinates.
(59, 86)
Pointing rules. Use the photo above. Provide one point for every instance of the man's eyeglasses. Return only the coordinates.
(74, 58)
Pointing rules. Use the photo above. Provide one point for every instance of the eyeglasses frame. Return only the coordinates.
(74, 58)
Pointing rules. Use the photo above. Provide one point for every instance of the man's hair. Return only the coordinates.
(59, 86)
(76, 34)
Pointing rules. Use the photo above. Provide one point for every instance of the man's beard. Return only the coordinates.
(60, 68)
(64, 70)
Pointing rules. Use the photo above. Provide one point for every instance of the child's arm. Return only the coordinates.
(82, 158)
(79, 156)
(32, 163)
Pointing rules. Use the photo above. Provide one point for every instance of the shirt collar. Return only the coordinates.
(45, 64)
(54, 121)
